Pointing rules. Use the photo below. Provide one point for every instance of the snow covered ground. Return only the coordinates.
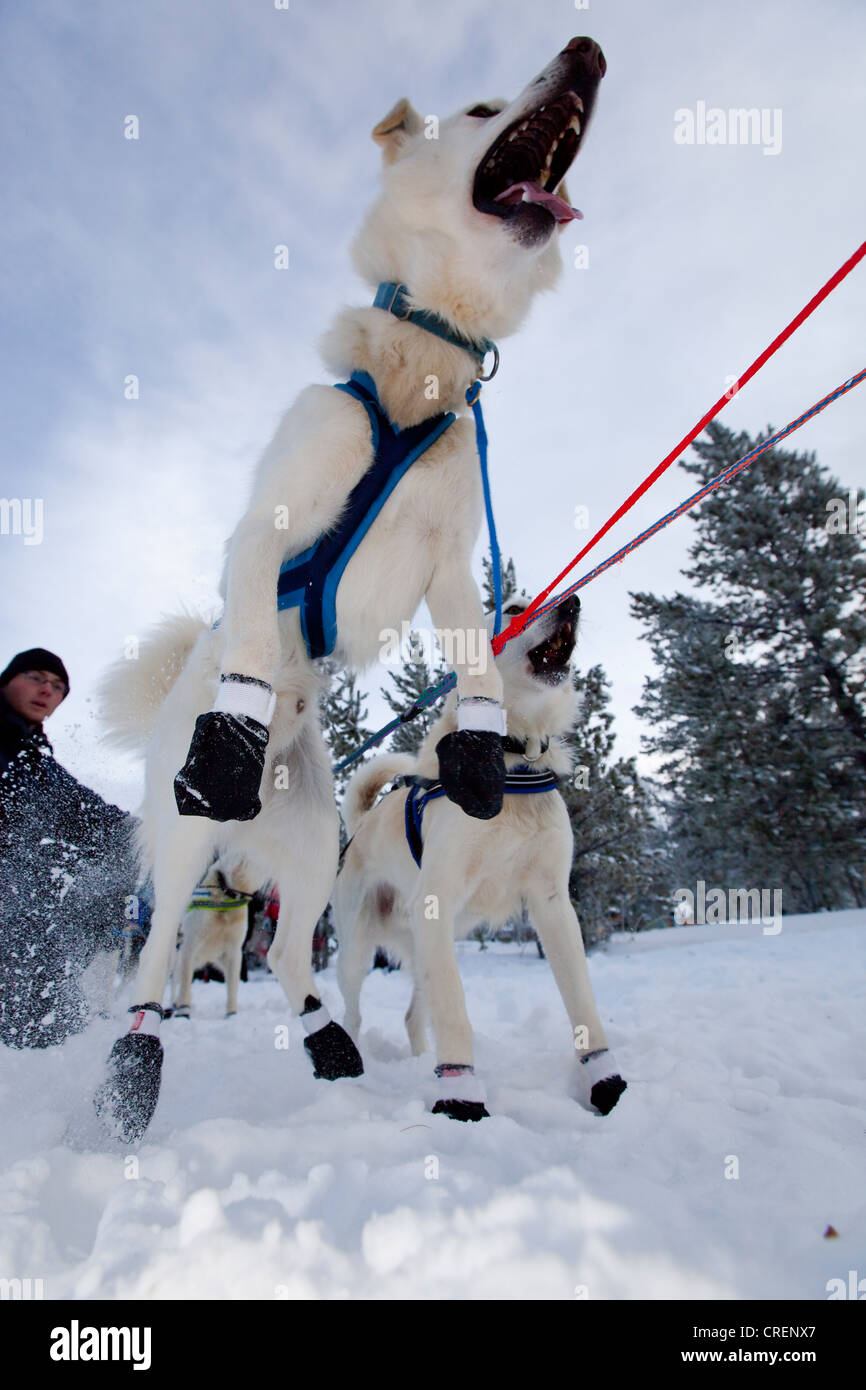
(258, 1181)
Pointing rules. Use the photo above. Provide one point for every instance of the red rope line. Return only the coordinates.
(709, 487)
(435, 692)
(518, 623)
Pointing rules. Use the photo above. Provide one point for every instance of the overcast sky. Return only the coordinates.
(155, 257)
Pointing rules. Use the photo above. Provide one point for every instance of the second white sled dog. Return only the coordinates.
(473, 872)
(213, 930)
(465, 230)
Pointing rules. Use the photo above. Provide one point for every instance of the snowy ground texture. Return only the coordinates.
(258, 1181)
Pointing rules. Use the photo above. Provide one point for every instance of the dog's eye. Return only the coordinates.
(514, 608)
(483, 112)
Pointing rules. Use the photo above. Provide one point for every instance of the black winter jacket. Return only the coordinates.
(67, 868)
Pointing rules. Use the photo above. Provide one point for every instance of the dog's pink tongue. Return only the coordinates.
(534, 193)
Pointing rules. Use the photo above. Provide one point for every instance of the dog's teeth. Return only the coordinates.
(579, 103)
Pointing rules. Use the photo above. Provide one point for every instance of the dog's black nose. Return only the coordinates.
(567, 611)
(591, 52)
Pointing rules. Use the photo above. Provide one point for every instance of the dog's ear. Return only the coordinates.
(395, 129)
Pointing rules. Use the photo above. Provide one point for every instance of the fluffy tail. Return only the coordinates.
(368, 782)
(132, 691)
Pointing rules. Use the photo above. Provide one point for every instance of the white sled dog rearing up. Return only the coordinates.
(367, 501)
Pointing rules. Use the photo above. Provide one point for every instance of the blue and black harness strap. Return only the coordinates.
(519, 781)
(310, 580)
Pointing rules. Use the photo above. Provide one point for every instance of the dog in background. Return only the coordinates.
(213, 930)
(474, 871)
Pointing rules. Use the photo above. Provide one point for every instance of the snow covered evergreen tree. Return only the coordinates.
(407, 684)
(343, 721)
(417, 673)
(758, 708)
(510, 591)
(618, 878)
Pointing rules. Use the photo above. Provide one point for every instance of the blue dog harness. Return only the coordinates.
(520, 781)
(310, 580)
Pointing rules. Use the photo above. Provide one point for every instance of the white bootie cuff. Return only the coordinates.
(146, 1019)
(596, 1066)
(316, 1019)
(480, 713)
(459, 1083)
(245, 696)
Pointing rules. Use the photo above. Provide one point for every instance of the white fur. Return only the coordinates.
(422, 230)
(292, 842)
(215, 936)
(472, 871)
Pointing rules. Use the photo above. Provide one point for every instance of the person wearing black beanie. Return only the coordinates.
(35, 659)
(67, 864)
(32, 686)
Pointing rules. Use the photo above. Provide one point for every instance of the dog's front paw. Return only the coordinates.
(223, 770)
(599, 1081)
(332, 1051)
(472, 771)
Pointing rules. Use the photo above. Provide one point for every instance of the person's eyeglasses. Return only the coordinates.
(38, 679)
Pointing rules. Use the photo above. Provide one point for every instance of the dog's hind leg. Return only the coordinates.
(599, 1082)
(184, 973)
(130, 1093)
(304, 885)
(353, 960)
(416, 1022)
(232, 965)
(183, 852)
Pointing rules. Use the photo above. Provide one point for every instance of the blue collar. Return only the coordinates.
(394, 297)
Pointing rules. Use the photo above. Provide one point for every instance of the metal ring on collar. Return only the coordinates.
(400, 293)
(495, 350)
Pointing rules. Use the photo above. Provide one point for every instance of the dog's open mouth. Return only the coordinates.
(530, 159)
(517, 176)
(549, 660)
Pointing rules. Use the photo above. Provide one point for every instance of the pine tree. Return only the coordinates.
(343, 721)
(617, 881)
(758, 709)
(510, 591)
(410, 682)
